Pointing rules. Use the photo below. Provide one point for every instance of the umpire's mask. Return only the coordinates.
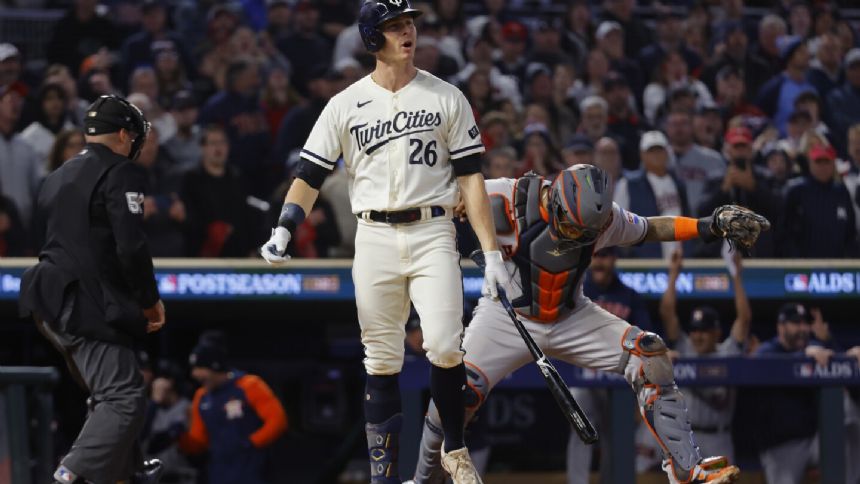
(109, 114)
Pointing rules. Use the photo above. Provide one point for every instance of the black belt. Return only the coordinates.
(711, 429)
(402, 216)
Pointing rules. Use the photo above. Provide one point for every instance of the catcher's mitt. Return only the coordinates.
(740, 226)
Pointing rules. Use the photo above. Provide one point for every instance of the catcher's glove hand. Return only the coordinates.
(740, 226)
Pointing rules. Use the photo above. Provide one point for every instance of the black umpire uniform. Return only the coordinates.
(87, 292)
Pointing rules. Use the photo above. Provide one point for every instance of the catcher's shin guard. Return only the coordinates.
(649, 371)
(429, 469)
(383, 443)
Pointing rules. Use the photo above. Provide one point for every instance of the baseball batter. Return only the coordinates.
(548, 232)
(409, 143)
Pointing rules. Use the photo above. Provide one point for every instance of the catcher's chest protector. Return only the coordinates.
(549, 278)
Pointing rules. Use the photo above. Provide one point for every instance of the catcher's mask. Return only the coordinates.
(580, 206)
(109, 114)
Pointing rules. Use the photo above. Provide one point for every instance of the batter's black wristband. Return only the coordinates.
(313, 174)
(292, 215)
(704, 227)
(467, 165)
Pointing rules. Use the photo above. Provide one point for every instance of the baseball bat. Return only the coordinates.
(557, 387)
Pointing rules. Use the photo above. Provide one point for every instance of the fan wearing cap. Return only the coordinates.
(93, 293)
(776, 97)
(819, 211)
(411, 148)
(20, 164)
(551, 232)
(653, 190)
(234, 416)
(710, 409)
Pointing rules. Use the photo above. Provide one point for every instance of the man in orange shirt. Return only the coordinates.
(234, 416)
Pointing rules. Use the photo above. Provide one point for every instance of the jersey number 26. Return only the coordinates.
(422, 154)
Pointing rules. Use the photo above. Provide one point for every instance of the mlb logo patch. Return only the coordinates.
(473, 132)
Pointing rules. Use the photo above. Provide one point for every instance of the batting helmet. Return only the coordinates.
(580, 206)
(373, 13)
(109, 114)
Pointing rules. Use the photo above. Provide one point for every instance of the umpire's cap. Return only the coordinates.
(109, 114)
(373, 13)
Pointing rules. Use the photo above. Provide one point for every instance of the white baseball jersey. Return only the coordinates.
(626, 228)
(398, 147)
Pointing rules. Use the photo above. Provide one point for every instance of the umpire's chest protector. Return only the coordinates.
(79, 258)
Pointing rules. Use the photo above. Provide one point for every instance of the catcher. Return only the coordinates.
(548, 232)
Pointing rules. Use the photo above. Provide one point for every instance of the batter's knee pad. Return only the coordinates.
(477, 387)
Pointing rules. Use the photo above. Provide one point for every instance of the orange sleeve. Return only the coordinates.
(196, 439)
(268, 408)
(686, 228)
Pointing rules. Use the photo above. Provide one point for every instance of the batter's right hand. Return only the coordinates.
(495, 275)
(275, 250)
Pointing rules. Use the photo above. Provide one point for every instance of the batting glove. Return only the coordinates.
(495, 274)
(275, 250)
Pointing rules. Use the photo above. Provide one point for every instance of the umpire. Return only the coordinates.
(88, 291)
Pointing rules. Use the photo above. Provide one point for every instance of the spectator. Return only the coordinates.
(430, 58)
(539, 152)
(608, 157)
(731, 96)
(546, 44)
(80, 33)
(596, 70)
(20, 166)
(512, 61)
(578, 31)
(539, 90)
(479, 93)
(278, 19)
(819, 213)
(610, 40)
(158, 117)
(825, 70)
(67, 144)
(184, 146)
(710, 409)
(776, 97)
(800, 19)
(216, 52)
(603, 286)
(708, 127)
(779, 167)
(623, 124)
(740, 184)
(851, 171)
(636, 33)
(297, 124)
(500, 163)
(277, 98)
(171, 74)
(163, 211)
(653, 190)
(766, 54)
(732, 51)
(50, 120)
(844, 103)
(578, 150)
(237, 110)
(305, 46)
(10, 68)
(139, 49)
(219, 222)
(166, 420)
(672, 74)
(76, 107)
(595, 117)
(335, 15)
(496, 130)
(787, 417)
(234, 415)
(669, 31)
(694, 164)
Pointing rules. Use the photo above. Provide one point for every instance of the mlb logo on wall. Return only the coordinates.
(804, 370)
(796, 282)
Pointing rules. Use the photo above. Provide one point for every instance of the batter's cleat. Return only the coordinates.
(459, 465)
(713, 470)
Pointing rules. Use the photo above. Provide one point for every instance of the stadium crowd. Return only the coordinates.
(697, 105)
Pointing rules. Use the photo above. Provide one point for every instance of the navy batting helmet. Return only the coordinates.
(580, 206)
(373, 13)
(109, 114)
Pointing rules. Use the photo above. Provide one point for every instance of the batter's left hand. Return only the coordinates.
(495, 274)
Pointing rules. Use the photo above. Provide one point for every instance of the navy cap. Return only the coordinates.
(183, 100)
(793, 312)
(704, 318)
(579, 142)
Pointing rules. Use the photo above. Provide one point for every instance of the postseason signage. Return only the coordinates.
(332, 280)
